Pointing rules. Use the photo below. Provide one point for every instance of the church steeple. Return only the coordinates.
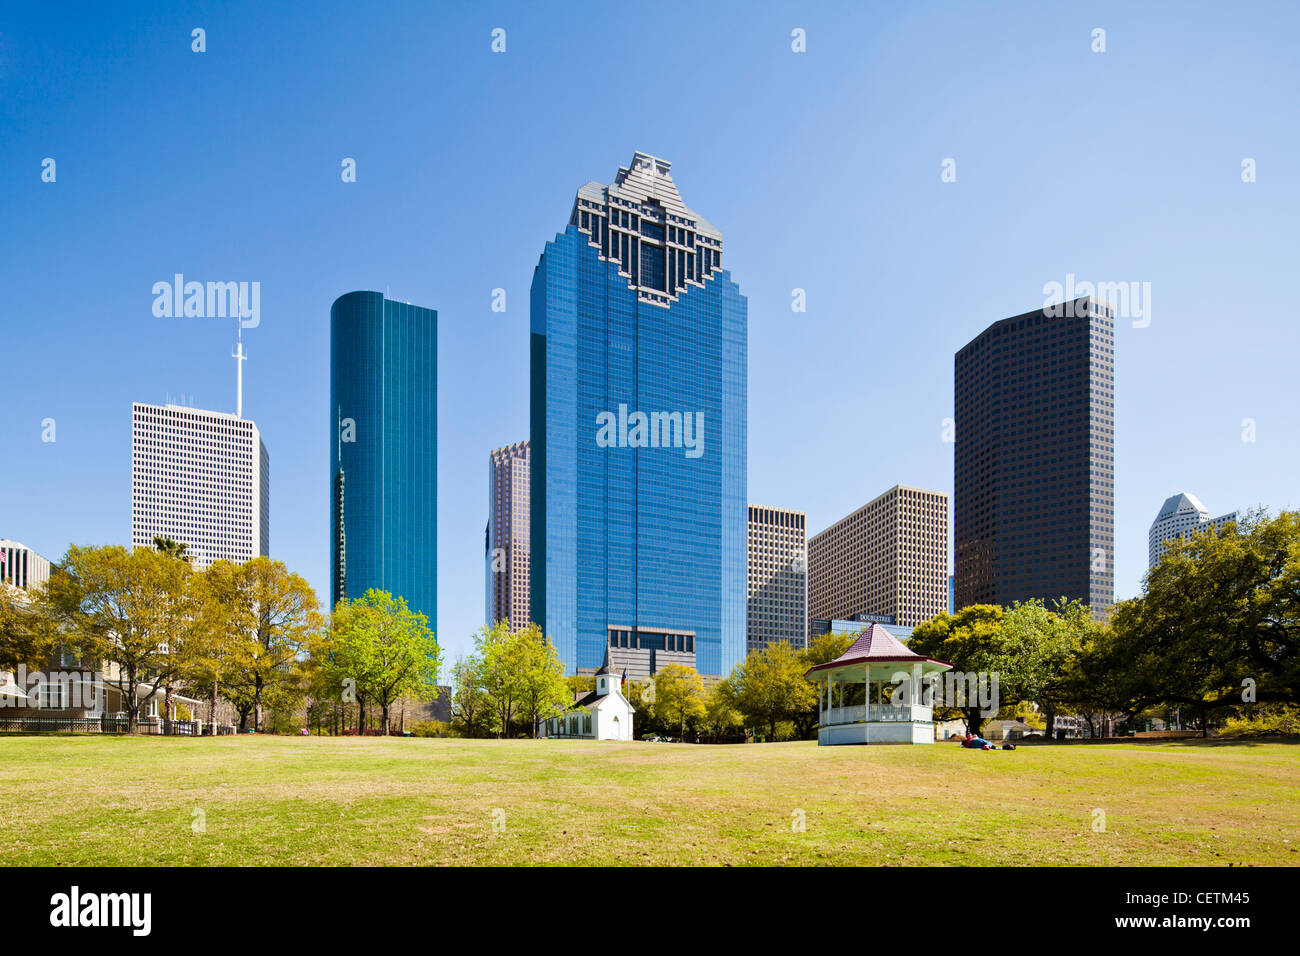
(607, 681)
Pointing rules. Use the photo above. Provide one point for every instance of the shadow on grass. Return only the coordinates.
(1164, 741)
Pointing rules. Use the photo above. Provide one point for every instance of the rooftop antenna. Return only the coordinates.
(239, 355)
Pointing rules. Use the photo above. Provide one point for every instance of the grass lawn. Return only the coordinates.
(295, 800)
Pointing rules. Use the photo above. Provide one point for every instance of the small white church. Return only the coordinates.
(603, 714)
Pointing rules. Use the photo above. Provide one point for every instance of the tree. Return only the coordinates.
(197, 618)
(126, 607)
(641, 695)
(26, 637)
(769, 686)
(273, 614)
(1042, 649)
(209, 660)
(1219, 622)
(821, 649)
(974, 642)
(385, 647)
(497, 670)
(721, 715)
(173, 549)
(471, 707)
(679, 696)
(542, 690)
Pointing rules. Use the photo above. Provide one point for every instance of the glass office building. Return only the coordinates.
(384, 450)
(638, 433)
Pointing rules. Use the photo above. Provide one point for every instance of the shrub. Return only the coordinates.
(1263, 720)
(430, 728)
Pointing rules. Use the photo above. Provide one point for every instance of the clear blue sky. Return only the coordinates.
(822, 170)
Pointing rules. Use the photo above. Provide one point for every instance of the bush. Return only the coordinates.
(1263, 720)
(430, 728)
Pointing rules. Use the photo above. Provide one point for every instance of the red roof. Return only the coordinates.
(875, 645)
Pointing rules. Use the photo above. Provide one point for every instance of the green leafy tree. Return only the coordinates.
(27, 635)
(769, 686)
(721, 715)
(473, 711)
(385, 647)
(273, 613)
(641, 694)
(679, 696)
(821, 649)
(1219, 623)
(128, 607)
(497, 671)
(973, 641)
(175, 549)
(1042, 650)
(542, 690)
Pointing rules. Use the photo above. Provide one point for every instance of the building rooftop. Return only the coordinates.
(1185, 503)
(875, 645)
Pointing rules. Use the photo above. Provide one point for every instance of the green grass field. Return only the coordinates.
(293, 801)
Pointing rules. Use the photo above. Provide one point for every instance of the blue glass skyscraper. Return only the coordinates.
(384, 449)
(638, 433)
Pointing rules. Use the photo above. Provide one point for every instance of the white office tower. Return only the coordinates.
(202, 479)
(1180, 515)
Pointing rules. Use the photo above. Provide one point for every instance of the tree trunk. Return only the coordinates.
(384, 708)
(974, 720)
(167, 708)
(214, 706)
(1049, 712)
(132, 704)
(257, 707)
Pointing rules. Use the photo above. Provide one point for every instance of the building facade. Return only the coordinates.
(202, 479)
(384, 450)
(21, 567)
(1180, 515)
(638, 431)
(1034, 463)
(506, 552)
(777, 598)
(890, 557)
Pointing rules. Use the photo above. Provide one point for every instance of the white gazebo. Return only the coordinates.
(895, 689)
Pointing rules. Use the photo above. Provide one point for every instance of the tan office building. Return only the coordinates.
(506, 560)
(890, 557)
(777, 590)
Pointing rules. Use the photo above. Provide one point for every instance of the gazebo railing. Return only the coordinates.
(860, 713)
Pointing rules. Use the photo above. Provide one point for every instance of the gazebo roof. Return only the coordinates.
(876, 645)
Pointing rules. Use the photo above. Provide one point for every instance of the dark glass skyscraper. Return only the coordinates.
(384, 449)
(638, 433)
(1034, 501)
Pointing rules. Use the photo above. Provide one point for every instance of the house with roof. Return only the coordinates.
(876, 692)
(602, 714)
